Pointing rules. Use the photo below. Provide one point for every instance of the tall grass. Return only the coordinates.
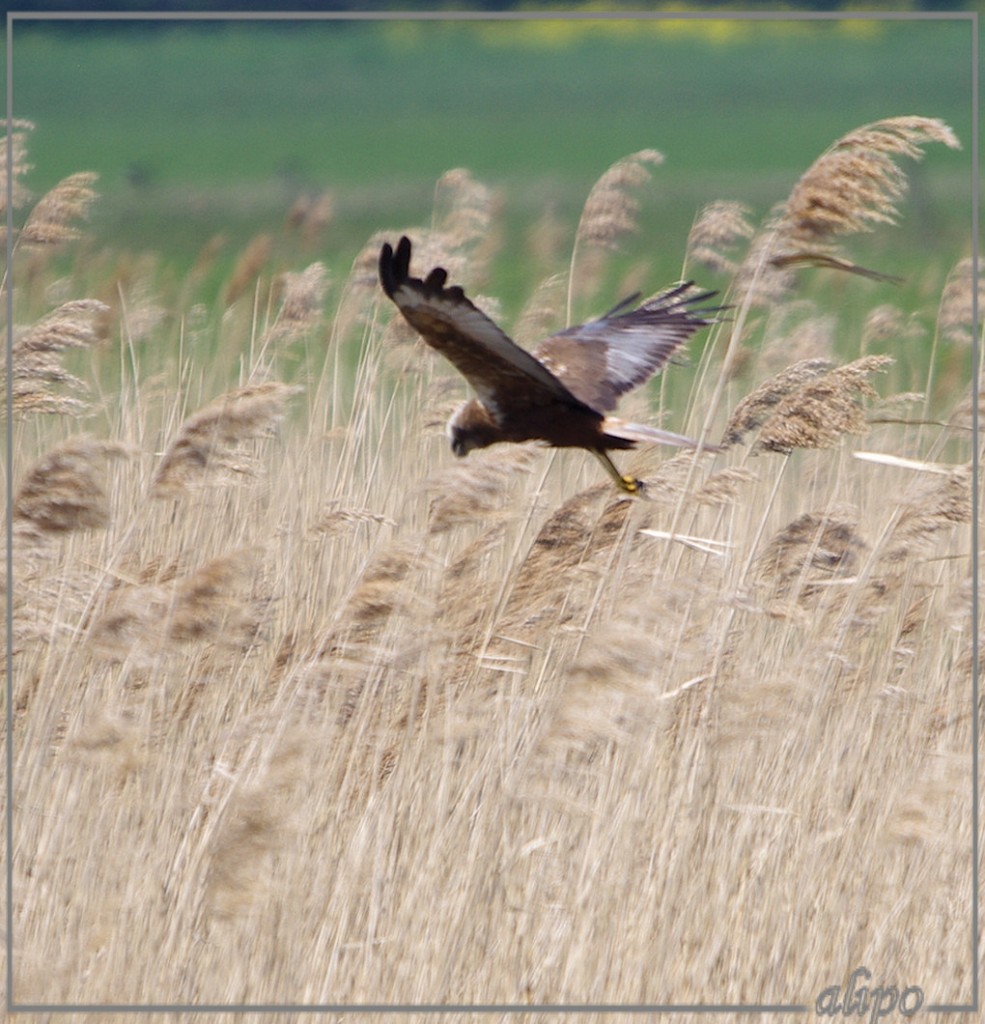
(307, 712)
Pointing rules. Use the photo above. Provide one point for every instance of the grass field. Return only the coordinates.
(198, 131)
(308, 711)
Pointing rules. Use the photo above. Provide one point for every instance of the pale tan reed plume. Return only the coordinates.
(65, 489)
(717, 231)
(215, 603)
(301, 308)
(821, 411)
(477, 490)
(53, 218)
(941, 504)
(810, 551)
(611, 212)
(464, 224)
(954, 319)
(855, 185)
(253, 824)
(17, 132)
(757, 407)
(310, 217)
(37, 357)
(887, 323)
(211, 445)
(249, 265)
(542, 313)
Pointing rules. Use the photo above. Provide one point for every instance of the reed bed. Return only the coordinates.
(305, 712)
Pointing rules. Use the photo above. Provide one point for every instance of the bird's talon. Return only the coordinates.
(632, 485)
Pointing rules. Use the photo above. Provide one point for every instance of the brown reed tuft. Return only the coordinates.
(253, 825)
(464, 218)
(477, 489)
(753, 411)
(52, 219)
(64, 490)
(722, 488)
(382, 586)
(301, 303)
(855, 184)
(817, 414)
(718, 228)
(211, 441)
(212, 603)
(36, 357)
(611, 211)
(207, 602)
(812, 549)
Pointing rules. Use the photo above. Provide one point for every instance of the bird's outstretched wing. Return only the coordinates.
(504, 376)
(600, 360)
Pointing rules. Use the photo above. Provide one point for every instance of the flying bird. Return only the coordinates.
(561, 392)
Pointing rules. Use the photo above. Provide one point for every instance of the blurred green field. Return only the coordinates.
(200, 129)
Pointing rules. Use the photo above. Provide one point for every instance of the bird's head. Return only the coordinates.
(471, 427)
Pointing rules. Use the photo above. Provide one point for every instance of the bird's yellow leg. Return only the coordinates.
(629, 484)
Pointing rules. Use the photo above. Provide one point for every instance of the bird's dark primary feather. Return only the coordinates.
(504, 376)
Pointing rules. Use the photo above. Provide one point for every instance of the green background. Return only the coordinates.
(204, 128)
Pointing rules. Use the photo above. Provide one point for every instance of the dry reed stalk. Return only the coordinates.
(301, 303)
(211, 442)
(333, 520)
(36, 357)
(248, 267)
(64, 490)
(51, 221)
(718, 228)
(611, 212)
(820, 412)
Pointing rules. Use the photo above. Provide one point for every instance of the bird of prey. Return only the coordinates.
(562, 392)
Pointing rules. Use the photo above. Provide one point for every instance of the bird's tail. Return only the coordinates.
(627, 431)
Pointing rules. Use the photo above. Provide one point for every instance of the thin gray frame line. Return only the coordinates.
(9, 529)
(426, 1008)
(275, 15)
(971, 16)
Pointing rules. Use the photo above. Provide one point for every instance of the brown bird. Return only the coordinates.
(559, 394)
